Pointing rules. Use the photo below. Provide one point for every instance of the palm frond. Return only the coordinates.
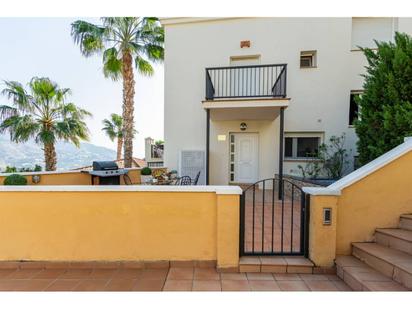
(110, 130)
(143, 66)
(154, 52)
(113, 127)
(21, 128)
(117, 120)
(112, 65)
(88, 36)
(72, 129)
(7, 111)
(14, 91)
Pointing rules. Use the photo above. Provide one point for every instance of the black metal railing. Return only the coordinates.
(246, 81)
(270, 225)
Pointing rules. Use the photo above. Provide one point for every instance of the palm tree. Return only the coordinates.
(113, 128)
(122, 41)
(42, 113)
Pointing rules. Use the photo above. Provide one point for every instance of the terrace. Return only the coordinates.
(63, 236)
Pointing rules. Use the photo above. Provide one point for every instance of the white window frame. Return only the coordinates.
(309, 53)
(295, 136)
(360, 93)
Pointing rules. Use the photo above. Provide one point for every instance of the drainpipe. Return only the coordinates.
(207, 144)
(281, 129)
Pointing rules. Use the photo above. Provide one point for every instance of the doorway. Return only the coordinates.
(244, 157)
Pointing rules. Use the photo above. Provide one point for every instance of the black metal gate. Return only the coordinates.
(274, 216)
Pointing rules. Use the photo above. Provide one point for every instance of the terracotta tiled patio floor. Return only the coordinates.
(172, 279)
(280, 222)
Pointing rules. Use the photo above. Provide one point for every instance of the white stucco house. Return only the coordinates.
(247, 98)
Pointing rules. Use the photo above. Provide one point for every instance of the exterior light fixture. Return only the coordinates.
(243, 126)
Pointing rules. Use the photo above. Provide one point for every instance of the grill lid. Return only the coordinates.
(104, 165)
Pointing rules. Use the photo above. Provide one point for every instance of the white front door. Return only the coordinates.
(246, 157)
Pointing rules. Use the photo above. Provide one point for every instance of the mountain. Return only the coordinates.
(68, 156)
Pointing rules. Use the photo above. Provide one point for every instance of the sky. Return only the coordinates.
(43, 47)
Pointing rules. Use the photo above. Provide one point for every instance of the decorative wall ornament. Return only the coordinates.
(35, 178)
(244, 44)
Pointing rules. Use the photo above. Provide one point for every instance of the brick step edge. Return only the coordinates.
(351, 263)
(406, 222)
(399, 239)
(383, 266)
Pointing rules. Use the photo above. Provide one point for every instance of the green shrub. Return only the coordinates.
(385, 106)
(15, 180)
(146, 171)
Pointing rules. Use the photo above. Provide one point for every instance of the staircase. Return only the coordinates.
(383, 265)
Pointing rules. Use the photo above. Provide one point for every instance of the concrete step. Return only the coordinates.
(398, 239)
(361, 277)
(392, 263)
(276, 264)
(406, 222)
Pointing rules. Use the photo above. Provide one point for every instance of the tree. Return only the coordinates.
(121, 40)
(42, 113)
(113, 128)
(386, 104)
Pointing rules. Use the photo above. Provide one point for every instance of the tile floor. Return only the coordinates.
(270, 224)
(172, 279)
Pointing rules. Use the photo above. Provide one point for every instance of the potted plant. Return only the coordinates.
(15, 180)
(146, 175)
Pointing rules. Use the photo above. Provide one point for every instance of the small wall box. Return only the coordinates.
(327, 216)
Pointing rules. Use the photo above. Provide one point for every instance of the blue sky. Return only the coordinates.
(43, 47)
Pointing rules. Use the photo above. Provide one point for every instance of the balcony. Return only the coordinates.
(254, 81)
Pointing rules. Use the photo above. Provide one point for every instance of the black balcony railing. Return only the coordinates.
(252, 81)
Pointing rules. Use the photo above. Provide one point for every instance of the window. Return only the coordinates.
(300, 147)
(308, 59)
(232, 157)
(245, 60)
(367, 29)
(353, 106)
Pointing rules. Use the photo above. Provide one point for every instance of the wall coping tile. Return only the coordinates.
(219, 190)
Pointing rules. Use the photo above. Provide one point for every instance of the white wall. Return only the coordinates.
(319, 96)
(219, 150)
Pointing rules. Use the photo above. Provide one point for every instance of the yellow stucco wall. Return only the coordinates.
(322, 238)
(375, 201)
(74, 178)
(228, 230)
(112, 226)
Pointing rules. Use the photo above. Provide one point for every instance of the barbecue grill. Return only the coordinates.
(107, 171)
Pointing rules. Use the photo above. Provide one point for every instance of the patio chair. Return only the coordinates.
(184, 181)
(196, 180)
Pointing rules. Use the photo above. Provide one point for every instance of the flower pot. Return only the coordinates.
(146, 179)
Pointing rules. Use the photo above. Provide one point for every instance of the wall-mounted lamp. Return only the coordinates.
(243, 126)
(327, 216)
